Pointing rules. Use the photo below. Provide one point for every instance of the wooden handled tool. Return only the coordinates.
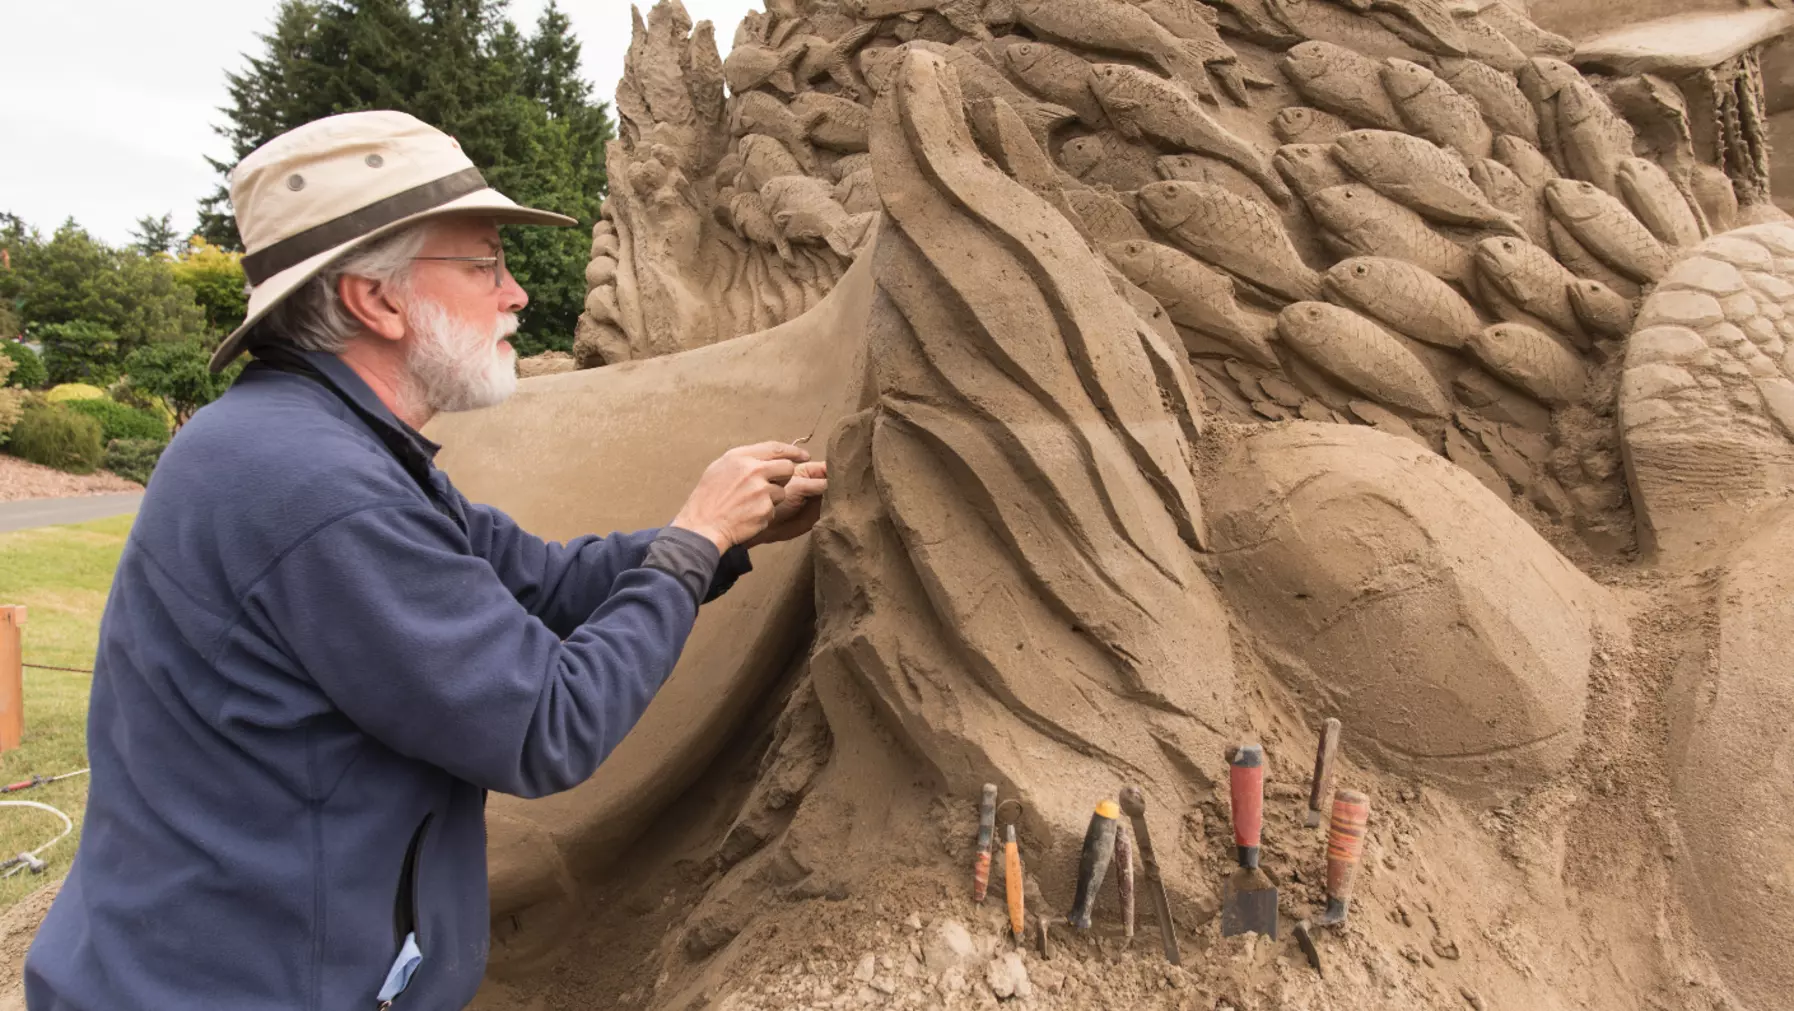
(1099, 847)
(1124, 879)
(1323, 771)
(987, 823)
(1249, 900)
(1012, 883)
(1134, 803)
(1345, 846)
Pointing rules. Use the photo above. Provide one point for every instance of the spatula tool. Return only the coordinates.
(1248, 899)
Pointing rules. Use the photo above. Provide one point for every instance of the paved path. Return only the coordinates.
(44, 512)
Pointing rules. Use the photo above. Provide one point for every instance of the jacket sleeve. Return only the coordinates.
(562, 584)
(420, 643)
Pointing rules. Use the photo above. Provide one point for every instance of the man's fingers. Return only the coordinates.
(774, 451)
(813, 469)
(777, 471)
(806, 487)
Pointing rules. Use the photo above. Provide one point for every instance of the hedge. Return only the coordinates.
(55, 436)
(134, 459)
(118, 421)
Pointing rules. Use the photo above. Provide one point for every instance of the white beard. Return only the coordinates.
(456, 366)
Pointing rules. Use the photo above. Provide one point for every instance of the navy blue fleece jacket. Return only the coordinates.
(316, 659)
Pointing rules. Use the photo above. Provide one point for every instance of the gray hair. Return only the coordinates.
(314, 317)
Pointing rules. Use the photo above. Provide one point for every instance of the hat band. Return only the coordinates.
(296, 249)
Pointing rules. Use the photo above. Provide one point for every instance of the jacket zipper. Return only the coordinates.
(404, 906)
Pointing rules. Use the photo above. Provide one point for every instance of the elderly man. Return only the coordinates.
(318, 657)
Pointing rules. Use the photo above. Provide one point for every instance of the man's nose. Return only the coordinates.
(511, 294)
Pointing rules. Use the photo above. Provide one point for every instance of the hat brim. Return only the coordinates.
(486, 203)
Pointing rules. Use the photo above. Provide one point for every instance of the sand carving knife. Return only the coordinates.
(1345, 849)
(1249, 902)
(987, 824)
(1322, 783)
(1134, 803)
(1124, 879)
(1093, 865)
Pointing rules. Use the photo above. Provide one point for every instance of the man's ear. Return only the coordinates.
(374, 304)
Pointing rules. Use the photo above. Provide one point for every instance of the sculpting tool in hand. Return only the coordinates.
(987, 823)
(814, 425)
(1249, 900)
(1323, 771)
(1093, 865)
(1134, 803)
(1345, 848)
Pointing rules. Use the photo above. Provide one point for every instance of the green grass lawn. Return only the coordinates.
(61, 574)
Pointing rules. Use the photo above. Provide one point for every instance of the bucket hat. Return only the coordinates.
(320, 191)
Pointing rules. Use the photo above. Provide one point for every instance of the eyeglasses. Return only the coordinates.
(497, 263)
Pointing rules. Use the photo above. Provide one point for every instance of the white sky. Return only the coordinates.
(110, 103)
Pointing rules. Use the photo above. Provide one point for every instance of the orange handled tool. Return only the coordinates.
(1345, 845)
(987, 823)
(1012, 882)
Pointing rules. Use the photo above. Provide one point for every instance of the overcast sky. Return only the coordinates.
(110, 103)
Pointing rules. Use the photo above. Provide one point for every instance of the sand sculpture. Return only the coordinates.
(1191, 372)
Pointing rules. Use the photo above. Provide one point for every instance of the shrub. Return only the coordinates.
(28, 369)
(80, 352)
(55, 436)
(118, 421)
(74, 391)
(12, 404)
(134, 459)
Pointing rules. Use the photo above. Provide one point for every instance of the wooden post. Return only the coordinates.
(12, 676)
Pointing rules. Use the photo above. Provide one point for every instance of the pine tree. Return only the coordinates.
(517, 105)
(155, 235)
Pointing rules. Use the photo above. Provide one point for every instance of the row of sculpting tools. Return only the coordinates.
(1249, 898)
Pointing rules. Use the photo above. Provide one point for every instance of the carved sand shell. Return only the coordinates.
(1584, 264)
(1404, 297)
(1195, 295)
(1532, 361)
(831, 121)
(1139, 103)
(1530, 279)
(1602, 223)
(1435, 110)
(1362, 355)
(1299, 124)
(1309, 168)
(1504, 106)
(1342, 82)
(1235, 233)
(1603, 311)
(1510, 194)
(1421, 175)
(1056, 75)
(1371, 224)
(1653, 197)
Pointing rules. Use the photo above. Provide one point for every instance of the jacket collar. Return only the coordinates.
(337, 374)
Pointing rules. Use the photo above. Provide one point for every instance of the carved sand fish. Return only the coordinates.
(1530, 279)
(1298, 124)
(1602, 223)
(1370, 224)
(1253, 20)
(1483, 42)
(1343, 83)
(1584, 264)
(857, 193)
(1058, 76)
(1533, 361)
(1309, 168)
(1602, 310)
(831, 121)
(1509, 193)
(1237, 234)
(763, 159)
(1435, 110)
(834, 58)
(1425, 177)
(1595, 139)
(1504, 106)
(758, 112)
(1195, 295)
(1324, 22)
(1196, 24)
(1405, 298)
(748, 213)
(1525, 160)
(1362, 355)
(803, 208)
(1541, 80)
(979, 80)
(1430, 18)
(1105, 218)
(1116, 27)
(1524, 34)
(1653, 197)
(847, 165)
(751, 64)
(1108, 160)
(1139, 103)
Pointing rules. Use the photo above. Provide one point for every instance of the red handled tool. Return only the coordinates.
(1249, 900)
(1345, 849)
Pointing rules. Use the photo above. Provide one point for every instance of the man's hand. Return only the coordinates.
(739, 496)
(798, 511)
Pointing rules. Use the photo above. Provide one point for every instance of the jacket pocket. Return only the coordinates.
(405, 920)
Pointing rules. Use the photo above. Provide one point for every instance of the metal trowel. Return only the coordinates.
(1248, 899)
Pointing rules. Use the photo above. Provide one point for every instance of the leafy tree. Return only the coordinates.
(28, 371)
(517, 105)
(80, 352)
(215, 276)
(178, 372)
(155, 235)
(77, 278)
